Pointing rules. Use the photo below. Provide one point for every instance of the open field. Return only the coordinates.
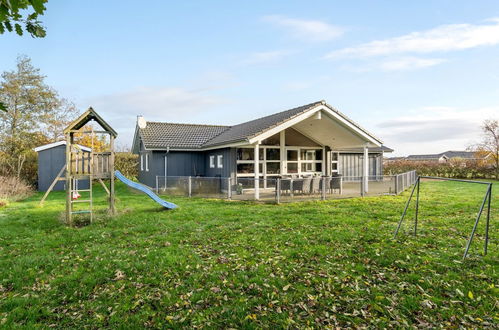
(214, 263)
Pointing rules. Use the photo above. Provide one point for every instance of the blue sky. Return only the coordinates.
(421, 75)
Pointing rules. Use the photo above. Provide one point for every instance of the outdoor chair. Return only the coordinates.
(306, 184)
(336, 184)
(316, 184)
(327, 182)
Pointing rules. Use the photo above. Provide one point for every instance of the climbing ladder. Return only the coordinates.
(73, 201)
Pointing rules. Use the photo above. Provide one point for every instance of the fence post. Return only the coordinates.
(278, 191)
(229, 188)
(323, 188)
(396, 184)
(291, 187)
(157, 188)
(362, 186)
(190, 186)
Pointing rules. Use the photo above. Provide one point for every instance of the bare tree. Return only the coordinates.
(489, 146)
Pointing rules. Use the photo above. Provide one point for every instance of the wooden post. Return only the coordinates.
(111, 176)
(68, 178)
(365, 175)
(282, 150)
(257, 170)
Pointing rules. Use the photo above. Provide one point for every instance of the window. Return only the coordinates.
(292, 155)
(142, 162)
(273, 168)
(245, 154)
(273, 154)
(147, 162)
(245, 168)
(310, 160)
(334, 162)
(292, 167)
(212, 161)
(220, 161)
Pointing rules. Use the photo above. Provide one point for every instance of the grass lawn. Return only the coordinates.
(214, 263)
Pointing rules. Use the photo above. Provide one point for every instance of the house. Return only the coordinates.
(314, 139)
(444, 157)
(52, 163)
(440, 158)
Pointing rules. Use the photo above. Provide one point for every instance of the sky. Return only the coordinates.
(420, 75)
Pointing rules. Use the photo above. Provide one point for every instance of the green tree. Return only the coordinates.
(22, 15)
(35, 115)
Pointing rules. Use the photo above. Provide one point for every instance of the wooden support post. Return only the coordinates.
(104, 186)
(257, 170)
(282, 151)
(68, 179)
(365, 176)
(111, 176)
(57, 179)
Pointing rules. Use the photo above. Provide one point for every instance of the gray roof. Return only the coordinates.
(188, 136)
(447, 154)
(371, 150)
(254, 127)
(191, 136)
(460, 154)
(429, 156)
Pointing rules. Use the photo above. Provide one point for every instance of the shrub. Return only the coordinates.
(13, 188)
(127, 163)
(461, 169)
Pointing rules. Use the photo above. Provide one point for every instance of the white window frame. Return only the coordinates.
(212, 161)
(337, 162)
(311, 161)
(142, 162)
(147, 162)
(220, 161)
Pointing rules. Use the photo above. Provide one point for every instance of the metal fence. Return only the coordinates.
(279, 190)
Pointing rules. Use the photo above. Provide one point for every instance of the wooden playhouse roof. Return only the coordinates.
(87, 116)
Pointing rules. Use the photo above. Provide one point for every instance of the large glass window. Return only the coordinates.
(273, 168)
(273, 154)
(245, 168)
(245, 154)
(292, 155)
(292, 167)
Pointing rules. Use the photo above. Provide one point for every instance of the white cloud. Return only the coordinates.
(310, 30)
(410, 63)
(265, 57)
(443, 38)
(172, 104)
(434, 129)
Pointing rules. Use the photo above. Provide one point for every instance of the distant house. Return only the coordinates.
(446, 156)
(313, 139)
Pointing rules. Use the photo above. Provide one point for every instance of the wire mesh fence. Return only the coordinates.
(280, 190)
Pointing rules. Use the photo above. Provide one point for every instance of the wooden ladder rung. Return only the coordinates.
(82, 211)
(80, 190)
(82, 201)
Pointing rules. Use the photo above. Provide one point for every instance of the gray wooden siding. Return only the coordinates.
(50, 162)
(229, 161)
(179, 163)
(351, 164)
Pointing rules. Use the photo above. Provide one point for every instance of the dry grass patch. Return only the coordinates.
(13, 189)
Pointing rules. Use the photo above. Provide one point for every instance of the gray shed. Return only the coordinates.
(51, 158)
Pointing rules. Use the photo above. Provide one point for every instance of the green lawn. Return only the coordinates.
(214, 263)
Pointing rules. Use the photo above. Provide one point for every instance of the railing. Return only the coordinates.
(81, 163)
(284, 189)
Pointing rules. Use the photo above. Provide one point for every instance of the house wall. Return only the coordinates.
(50, 162)
(351, 164)
(229, 162)
(185, 163)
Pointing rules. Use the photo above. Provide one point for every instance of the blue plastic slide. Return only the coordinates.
(145, 190)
